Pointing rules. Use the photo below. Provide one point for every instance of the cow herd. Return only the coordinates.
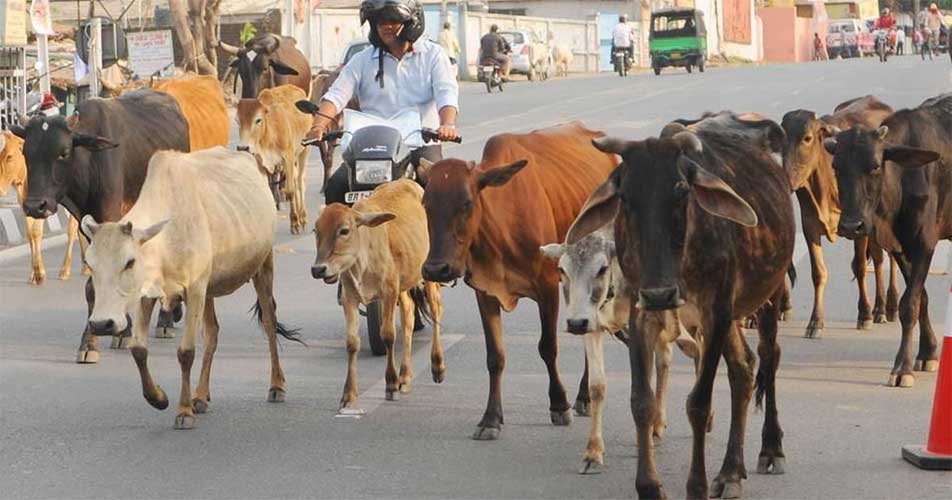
(680, 239)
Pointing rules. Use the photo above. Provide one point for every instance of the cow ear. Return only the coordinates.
(90, 226)
(882, 131)
(265, 97)
(144, 235)
(92, 142)
(717, 198)
(827, 130)
(552, 251)
(374, 219)
(18, 131)
(500, 175)
(306, 107)
(283, 69)
(830, 145)
(909, 157)
(600, 208)
(423, 169)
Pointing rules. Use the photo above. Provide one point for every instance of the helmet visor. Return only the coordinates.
(385, 10)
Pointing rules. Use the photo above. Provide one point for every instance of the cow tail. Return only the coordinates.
(760, 389)
(792, 273)
(282, 330)
(419, 296)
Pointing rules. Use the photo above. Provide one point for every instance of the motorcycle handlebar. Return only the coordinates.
(429, 135)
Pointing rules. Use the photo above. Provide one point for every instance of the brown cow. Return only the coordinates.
(203, 105)
(897, 187)
(13, 173)
(375, 250)
(269, 61)
(810, 168)
(272, 128)
(486, 223)
(703, 222)
(319, 86)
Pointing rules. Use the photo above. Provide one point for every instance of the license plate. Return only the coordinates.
(488, 69)
(675, 55)
(355, 196)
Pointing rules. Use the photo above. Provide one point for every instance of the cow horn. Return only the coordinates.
(671, 129)
(230, 49)
(688, 142)
(607, 144)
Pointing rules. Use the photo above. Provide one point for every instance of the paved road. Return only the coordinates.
(69, 431)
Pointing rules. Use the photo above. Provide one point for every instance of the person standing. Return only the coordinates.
(448, 41)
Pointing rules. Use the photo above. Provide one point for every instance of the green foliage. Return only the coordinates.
(248, 31)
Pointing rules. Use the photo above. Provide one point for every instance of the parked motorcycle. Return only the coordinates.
(375, 151)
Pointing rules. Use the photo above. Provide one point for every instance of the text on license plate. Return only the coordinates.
(488, 69)
(675, 55)
(354, 196)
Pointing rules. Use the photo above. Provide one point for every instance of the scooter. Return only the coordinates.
(375, 151)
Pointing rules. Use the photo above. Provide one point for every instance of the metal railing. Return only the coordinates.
(12, 85)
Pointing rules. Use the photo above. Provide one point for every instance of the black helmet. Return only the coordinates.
(409, 12)
(623, 18)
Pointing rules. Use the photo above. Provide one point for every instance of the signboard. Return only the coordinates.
(151, 51)
(41, 18)
(13, 22)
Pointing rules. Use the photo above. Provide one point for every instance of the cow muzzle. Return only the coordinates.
(852, 229)
(577, 326)
(107, 327)
(39, 208)
(319, 272)
(440, 272)
(243, 148)
(660, 299)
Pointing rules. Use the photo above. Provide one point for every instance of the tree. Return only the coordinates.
(196, 26)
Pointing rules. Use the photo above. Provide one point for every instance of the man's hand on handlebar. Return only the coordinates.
(448, 132)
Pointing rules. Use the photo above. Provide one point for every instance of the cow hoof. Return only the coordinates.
(276, 395)
(405, 388)
(439, 375)
(165, 332)
(486, 433)
(184, 422)
(65, 274)
(658, 432)
(813, 332)
(771, 465)
(583, 408)
(37, 278)
(158, 400)
(87, 357)
(119, 342)
(87, 271)
(200, 406)
(591, 467)
(892, 316)
(904, 381)
(864, 324)
(928, 365)
(391, 395)
(879, 318)
(726, 488)
(786, 315)
(561, 417)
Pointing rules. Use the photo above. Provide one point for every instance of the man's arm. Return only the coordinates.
(446, 95)
(336, 98)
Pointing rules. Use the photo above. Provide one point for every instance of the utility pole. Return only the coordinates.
(95, 56)
(915, 14)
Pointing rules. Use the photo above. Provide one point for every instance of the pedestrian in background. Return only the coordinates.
(900, 40)
(819, 53)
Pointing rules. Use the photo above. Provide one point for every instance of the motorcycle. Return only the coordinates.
(490, 73)
(622, 61)
(885, 43)
(375, 151)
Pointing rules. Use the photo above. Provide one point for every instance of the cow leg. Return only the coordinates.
(263, 282)
(490, 425)
(818, 271)
(740, 371)
(559, 409)
(915, 273)
(406, 364)
(437, 364)
(301, 189)
(879, 305)
(717, 326)
(583, 401)
(210, 336)
(864, 316)
(926, 360)
(771, 459)
(72, 234)
(663, 357)
(34, 233)
(351, 317)
(194, 313)
(594, 458)
(641, 352)
(83, 245)
(892, 293)
(388, 302)
(88, 352)
(139, 348)
(786, 302)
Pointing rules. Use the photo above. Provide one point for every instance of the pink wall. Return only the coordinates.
(788, 38)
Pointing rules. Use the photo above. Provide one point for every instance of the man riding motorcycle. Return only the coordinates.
(623, 37)
(887, 23)
(493, 49)
(399, 71)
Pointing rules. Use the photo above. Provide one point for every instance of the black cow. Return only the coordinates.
(703, 220)
(268, 61)
(95, 163)
(895, 184)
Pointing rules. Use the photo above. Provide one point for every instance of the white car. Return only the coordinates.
(530, 56)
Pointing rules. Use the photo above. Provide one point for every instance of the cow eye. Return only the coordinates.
(64, 155)
(258, 120)
(681, 189)
(132, 262)
(602, 270)
(467, 206)
(807, 139)
(344, 231)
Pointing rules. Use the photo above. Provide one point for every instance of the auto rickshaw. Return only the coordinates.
(678, 38)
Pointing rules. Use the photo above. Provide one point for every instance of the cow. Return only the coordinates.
(376, 250)
(477, 229)
(269, 61)
(895, 184)
(13, 172)
(319, 86)
(271, 127)
(598, 303)
(702, 221)
(810, 168)
(203, 106)
(94, 164)
(562, 58)
(202, 227)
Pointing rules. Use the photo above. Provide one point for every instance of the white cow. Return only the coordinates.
(202, 227)
(562, 58)
(598, 303)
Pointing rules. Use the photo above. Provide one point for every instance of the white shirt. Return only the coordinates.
(423, 80)
(622, 35)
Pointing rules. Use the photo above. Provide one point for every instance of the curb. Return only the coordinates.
(13, 230)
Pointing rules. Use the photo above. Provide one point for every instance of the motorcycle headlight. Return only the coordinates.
(374, 171)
